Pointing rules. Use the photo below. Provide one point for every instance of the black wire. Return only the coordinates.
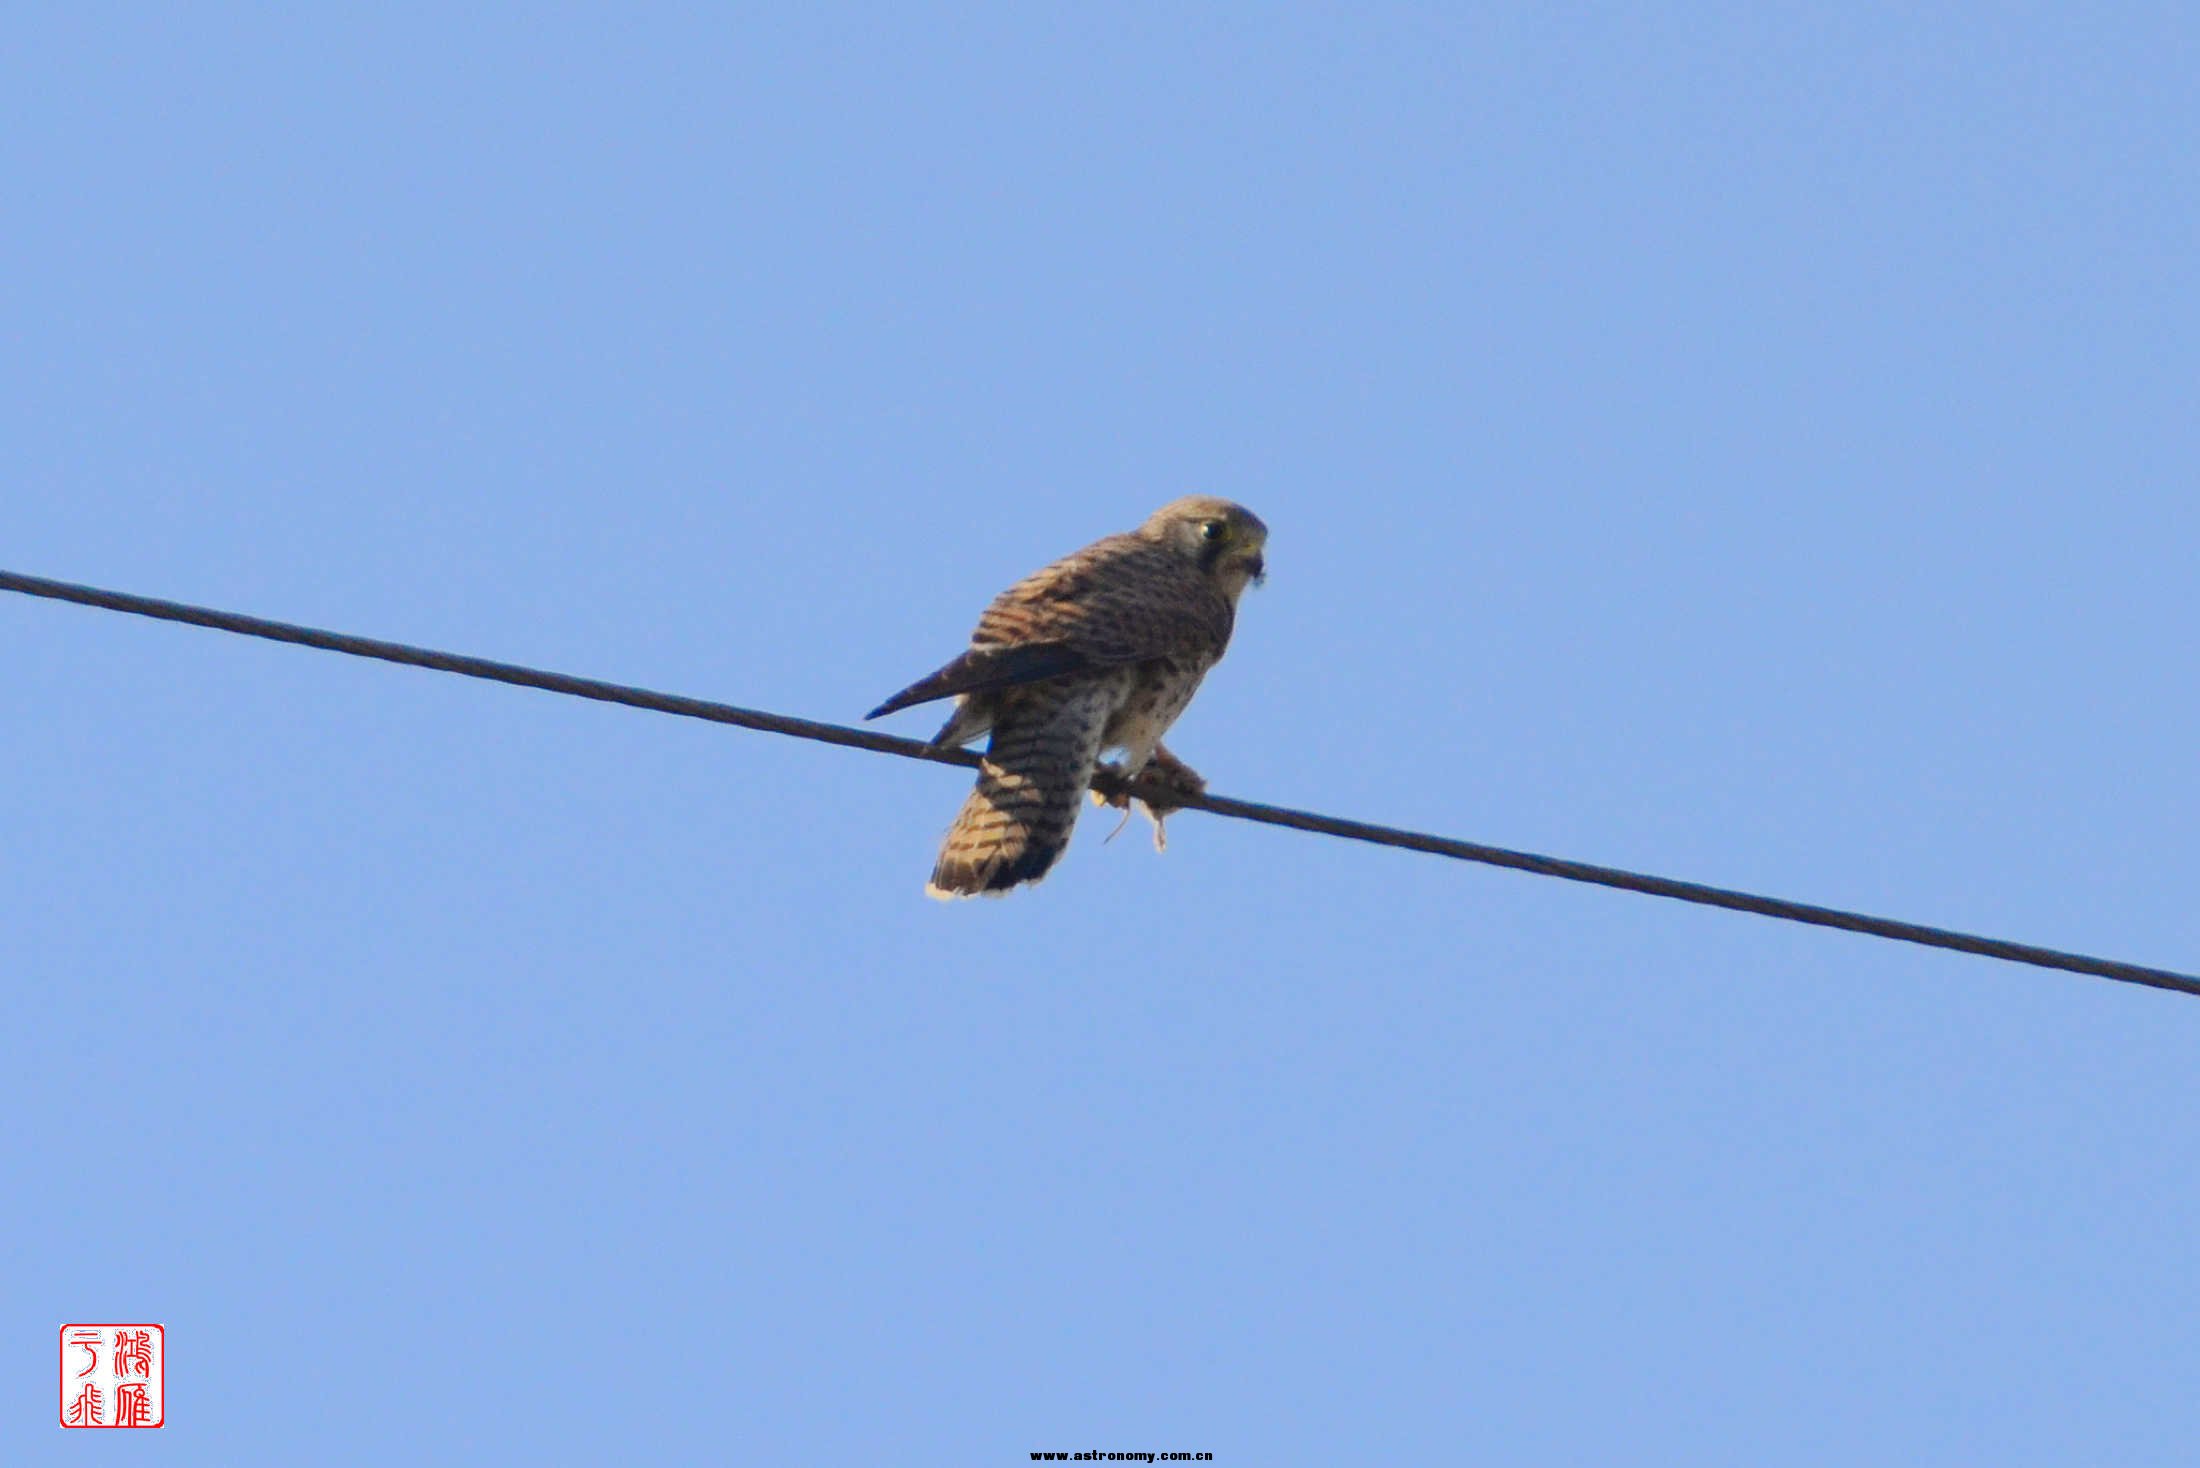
(720, 713)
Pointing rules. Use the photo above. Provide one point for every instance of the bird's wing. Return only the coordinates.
(1119, 600)
(985, 669)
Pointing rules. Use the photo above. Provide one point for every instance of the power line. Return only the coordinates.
(1246, 810)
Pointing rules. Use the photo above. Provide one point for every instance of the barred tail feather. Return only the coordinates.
(1017, 822)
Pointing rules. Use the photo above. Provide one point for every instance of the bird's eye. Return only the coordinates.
(1213, 529)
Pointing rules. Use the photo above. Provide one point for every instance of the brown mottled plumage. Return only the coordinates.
(1102, 649)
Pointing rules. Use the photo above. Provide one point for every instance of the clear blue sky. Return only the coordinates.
(1749, 443)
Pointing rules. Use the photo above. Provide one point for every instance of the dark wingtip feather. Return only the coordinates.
(917, 692)
(985, 668)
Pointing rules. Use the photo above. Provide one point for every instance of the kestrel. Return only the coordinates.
(1101, 650)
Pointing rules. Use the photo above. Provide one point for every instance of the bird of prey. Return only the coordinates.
(1101, 650)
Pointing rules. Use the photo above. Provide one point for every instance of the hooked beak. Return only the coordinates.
(1258, 565)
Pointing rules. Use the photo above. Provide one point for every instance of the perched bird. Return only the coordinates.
(1102, 649)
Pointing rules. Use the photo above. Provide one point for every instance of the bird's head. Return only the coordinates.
(1225, 540)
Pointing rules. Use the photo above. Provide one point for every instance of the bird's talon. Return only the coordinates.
(1119, 797)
